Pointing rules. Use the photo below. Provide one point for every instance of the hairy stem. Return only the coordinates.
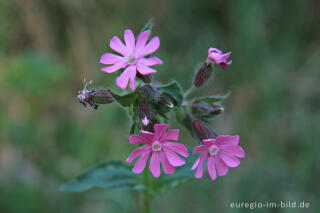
(188, 91)
(147, 198)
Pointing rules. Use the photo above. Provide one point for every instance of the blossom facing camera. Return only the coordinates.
(221, 153)
(162, 152)
(216, 56)
(132, 57)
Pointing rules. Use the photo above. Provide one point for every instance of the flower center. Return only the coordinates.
(156, 146)
(213, 150)
(131, 59)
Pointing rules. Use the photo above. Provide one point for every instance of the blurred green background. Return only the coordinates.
(48, 47)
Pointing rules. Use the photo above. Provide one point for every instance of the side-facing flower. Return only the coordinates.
(94, 97)
(222, 152)
(216, 56)
(133, 57)
(156, 144)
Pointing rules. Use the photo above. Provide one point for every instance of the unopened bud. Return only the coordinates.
(149, 93)
(144, 111)
(145, 78)
(203, 75)
(203, 110)
(166, 101)
(216, 109)
(203, 132)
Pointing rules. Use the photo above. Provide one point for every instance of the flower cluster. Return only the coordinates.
(149, 106)
(221, 152)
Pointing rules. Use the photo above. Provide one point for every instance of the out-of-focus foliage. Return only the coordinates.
(47, 48)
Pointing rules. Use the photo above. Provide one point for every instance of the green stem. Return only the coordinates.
(146, 202)
(147, 198)
(188, 91)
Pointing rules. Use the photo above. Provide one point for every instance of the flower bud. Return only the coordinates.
(203, 75)
(203, 110)
(145, 78)
(166, 101)
(144, 112)
(149, 93)
(216, 109)
(202, 131)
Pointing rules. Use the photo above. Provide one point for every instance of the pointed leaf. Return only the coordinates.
(125, 100)
(112, 174)
(173, 90)
(213, 99)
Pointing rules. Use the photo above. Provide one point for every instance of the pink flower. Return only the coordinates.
(161, 151)
(133, 57)
(217, 57)
(221, 153)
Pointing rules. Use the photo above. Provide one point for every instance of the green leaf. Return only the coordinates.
(213, 99)
(125, 100)
(173, 90)
(148, 25)
(112, 174)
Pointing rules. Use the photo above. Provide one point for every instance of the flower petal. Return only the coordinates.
(130, 40)
(138, 151)
(222, 140)
(212, 168)
(151, 47)
(155, 164)
(233, 150)
(109, 58)
(167, 167)
(133, 78)
(148, 135)
(145, 70)
(208, 142)
(141, 163)
(142, 39)
(136, 139)
(229, 160)
(159, 130)
(202, 158)
(177, 147)
(212, 49)
(173, 158)
(222, 168)
(225, 56)
(171, 135)
(150, 61)
(196, 163)
(199, 148)
(128, 73)
(118, 46)
(113, 68)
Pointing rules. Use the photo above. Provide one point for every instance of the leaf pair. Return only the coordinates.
(114, 174)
